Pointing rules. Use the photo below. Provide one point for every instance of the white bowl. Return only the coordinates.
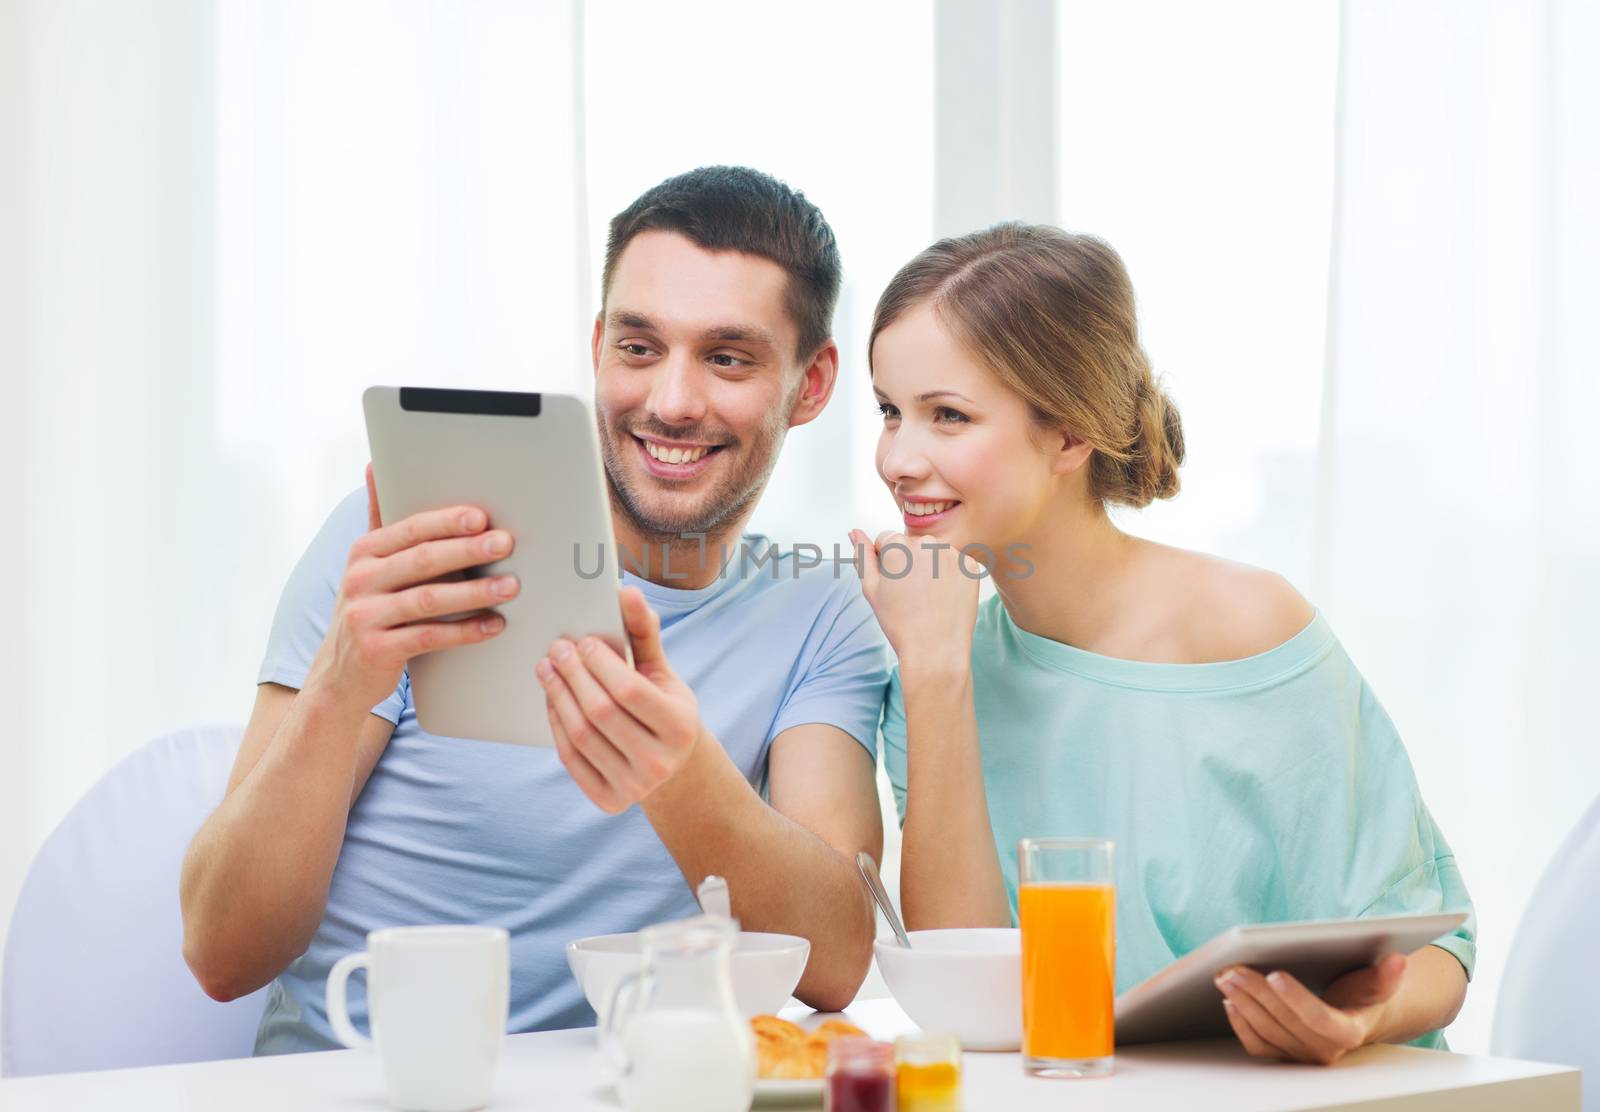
(967, 982)
(766, 967)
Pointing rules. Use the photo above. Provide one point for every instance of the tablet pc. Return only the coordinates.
(532, 463)
(1181, 1002)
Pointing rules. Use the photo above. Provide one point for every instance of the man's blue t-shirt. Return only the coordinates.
(455, 831)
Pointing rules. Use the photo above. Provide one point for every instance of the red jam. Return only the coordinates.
(860, 1092)
(860, 1076)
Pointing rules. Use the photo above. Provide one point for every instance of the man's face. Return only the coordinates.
(696, 382)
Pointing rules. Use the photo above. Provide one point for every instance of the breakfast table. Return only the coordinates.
(563, 1070)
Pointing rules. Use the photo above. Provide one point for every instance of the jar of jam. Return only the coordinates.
(860, 1076)
(928, 1073)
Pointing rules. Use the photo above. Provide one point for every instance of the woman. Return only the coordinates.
(1198, 712)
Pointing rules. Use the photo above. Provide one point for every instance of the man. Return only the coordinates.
(342, 815)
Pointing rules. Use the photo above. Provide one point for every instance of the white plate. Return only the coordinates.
(788, 1090)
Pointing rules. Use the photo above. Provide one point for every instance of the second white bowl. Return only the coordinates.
(965, 981)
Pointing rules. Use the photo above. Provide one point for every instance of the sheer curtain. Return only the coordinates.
(229, 219)
(105, 280)
(1198, 140)
(852, 128)
(1458, 517)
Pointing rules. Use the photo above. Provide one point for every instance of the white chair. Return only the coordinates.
(1549, 1009)
(94, 975)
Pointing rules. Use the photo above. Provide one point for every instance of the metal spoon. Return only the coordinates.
(869, 873)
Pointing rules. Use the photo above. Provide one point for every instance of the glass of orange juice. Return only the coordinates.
(1066, 896)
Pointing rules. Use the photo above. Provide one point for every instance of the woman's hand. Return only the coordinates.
(1277, 1017)
(925, 595)
(927, 604)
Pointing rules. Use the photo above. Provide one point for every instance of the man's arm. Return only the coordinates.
(255, 880)
(634, 735)
(256, 876)
(790, 867)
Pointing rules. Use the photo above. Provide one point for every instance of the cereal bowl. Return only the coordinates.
(965, 981)
(766, 968)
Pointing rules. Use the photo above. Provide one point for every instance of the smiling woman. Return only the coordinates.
(1163, 699)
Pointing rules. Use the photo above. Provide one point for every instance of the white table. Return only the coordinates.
(560, 1070)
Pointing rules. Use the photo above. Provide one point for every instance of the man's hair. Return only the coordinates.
(735, 208)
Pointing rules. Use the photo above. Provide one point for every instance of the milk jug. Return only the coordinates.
(673, 1030)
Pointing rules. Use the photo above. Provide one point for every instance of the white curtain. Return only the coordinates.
(1458, 513)
(858, 141)
(221, 222)
(1198, 140)
(112, 491)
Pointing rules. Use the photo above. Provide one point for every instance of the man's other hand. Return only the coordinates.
(621, 732)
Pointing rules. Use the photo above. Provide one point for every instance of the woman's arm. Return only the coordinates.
(1396, 1000)
(949, 871)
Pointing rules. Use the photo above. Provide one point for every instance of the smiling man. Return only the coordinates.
(343, 815)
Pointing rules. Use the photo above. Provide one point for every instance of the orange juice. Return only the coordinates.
(1068, 960)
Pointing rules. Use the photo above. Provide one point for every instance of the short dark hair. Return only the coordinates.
(735, 208)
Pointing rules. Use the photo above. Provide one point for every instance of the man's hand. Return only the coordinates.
(1277, 1017)
(384, 614)
(621, 732)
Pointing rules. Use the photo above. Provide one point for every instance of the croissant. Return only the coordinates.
(785, 1051)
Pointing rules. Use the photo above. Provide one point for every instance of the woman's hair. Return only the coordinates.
(1052, 315)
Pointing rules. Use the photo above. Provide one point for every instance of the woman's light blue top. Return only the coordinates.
(1268, 789)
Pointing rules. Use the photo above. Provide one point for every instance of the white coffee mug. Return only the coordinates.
(437, 1001)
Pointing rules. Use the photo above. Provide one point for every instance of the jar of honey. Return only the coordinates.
(928, 1073)
(860, 1076)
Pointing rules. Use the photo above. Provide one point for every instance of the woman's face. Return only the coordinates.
(959, 451)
